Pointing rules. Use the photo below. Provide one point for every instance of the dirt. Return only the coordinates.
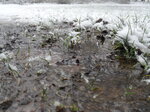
(85, 78)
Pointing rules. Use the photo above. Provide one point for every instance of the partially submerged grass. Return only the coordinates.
(71, 41)
(132, 40)
(124, 50)
(130, 35)
(72, 108)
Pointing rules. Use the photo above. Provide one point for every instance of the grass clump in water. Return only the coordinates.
(124, 50)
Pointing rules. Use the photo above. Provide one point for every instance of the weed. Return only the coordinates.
(73, 108)
(71, 41)
(17, 53)
(129, 91)
(44, 94)
(124, 49)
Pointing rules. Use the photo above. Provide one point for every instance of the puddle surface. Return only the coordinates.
(87, 78)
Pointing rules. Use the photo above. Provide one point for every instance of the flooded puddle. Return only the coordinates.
(51, 78)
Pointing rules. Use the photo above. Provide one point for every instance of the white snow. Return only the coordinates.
(85, 78)
(74, 36)
(73, 33)
(98, 26)
(41, 71)
(85, 24)
(5, 56)
(36, 58)
(147, 81)
(13, 67)
(46, 57)
(142, 60)
(45, 12)
(57, 103)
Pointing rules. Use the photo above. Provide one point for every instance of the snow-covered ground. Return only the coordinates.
(46, 12)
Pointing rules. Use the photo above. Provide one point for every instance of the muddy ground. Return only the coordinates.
(84, 78)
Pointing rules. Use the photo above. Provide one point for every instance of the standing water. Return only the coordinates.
(62, 58)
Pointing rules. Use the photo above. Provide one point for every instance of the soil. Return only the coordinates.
(87, 77)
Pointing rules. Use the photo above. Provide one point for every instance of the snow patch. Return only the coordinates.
(147, 81)
(12, 67)
(6, 55)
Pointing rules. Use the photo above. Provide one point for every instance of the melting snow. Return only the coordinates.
(147, 81)
(6, 55)
(13, 67)
(135, 27)
(3, 57)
